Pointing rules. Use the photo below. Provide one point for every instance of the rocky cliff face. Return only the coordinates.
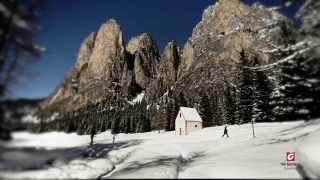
(230, 26)
(105, 68)
(186, 58)
(309, 14)
(85, 52)
(228, 31)
(170, 61)
(68, 86)
(108, 51)
(146, 59)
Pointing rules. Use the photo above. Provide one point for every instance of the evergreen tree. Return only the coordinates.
(230, 104)
(159, 118)
(262, 110)
(299, 90)
(169, 114)
(205, 110)
(181, 101)
(221, 110)
(215, 109)
(172, 109)
(115, 129)
(146, 124)
(246, 88)
(128, 125)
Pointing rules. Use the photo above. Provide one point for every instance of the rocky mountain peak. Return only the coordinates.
(229, 27)
(67, 87)
(146, 59)
(228, 30)
(218, 18)
(142, 41)
(229, 35)
(169, 63)
(109, 48)
(186, 58)
(100, 58)
(85, 51)
(309, 13)
(170, 49)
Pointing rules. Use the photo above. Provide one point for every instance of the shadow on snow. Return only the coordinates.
(32, 158)
(178, 163)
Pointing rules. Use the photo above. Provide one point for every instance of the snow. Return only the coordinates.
(275, 8)
(137, 99)
(17, 20)
(288, 4)
(308, 153)
(190, 114)
(313, 80)
(303, 111)
(202, 154)
(40, 48)
(31, 118)
(295, 49)
(4, 10)
(21, 23)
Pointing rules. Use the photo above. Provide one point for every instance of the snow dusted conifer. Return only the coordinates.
(172, 109)
(115, 126)
(206, 110)
(216, 110)
(230, 104)
(298, 90)
(262, 110)
(246, 88)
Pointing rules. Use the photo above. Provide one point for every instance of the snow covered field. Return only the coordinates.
(202, 154)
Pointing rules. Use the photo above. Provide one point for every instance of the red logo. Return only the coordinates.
(290, 156)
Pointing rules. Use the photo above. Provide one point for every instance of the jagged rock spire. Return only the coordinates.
(169, 63)
(108, 49)
(146, 58)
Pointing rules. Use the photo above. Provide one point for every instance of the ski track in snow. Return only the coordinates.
(202, 154)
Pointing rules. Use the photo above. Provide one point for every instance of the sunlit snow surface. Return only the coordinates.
(202, 154)
(309, 155)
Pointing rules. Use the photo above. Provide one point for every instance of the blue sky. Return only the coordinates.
(67, 22)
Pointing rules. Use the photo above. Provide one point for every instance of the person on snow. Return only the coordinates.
(92, 134)
(225, 132)
(113, 139)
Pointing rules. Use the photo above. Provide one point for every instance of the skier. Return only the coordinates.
(92, 133)
(113, 139)
(225, 132)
